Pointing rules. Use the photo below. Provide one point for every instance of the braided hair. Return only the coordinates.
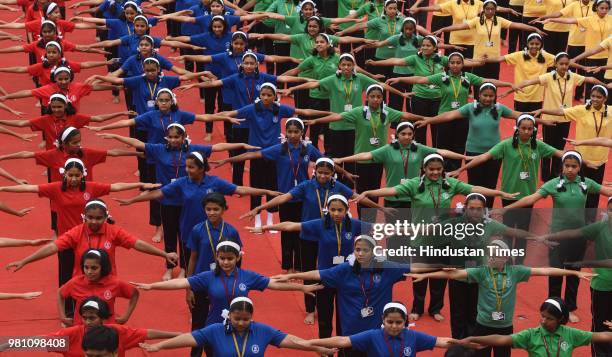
(602, 91)
(532, 140)
(445, 184)
(561, 185)
(327, 220)
(478, 107)
(396, 144)
(414, 38)
(47, 25)
(332, 181)
(540, 57)
(74, 164)
(73, 132)
(303, 144)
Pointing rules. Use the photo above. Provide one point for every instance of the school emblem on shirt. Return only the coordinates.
(534, 156)
(258, 87)
(227, 45)
(275, 119)
(107, 245)
(348, 235)
(72, 98)
(210, 190)
(306, 158)
(255, 349)
(376, 278)
(108, 295)
(86, 196)
(565, 346)
(407, 351)
(242, 287)
(445, 195)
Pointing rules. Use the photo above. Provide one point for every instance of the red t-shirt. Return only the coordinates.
(55, 159)
(31, 14)
(70, 204)
(52, 126)
(108, 289)
(63, 26)
(81, 239)
(75, 92)
(128, 338)
(44, 74)
(39, 52)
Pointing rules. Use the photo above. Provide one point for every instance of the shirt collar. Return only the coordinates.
(201, 183)
(101, 231)
(318, 185)
(545, 332)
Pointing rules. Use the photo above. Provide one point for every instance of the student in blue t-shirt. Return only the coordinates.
(393, 339)
(334, 234)
(134, 65)
(239, 335)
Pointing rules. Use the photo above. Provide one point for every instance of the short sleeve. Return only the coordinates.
(244, 112)
(271, 153)
(206, 150)
(99, 189)
(473, 23)
(592, 186)
(200, 282)
(394, 40)
(522, 273)
(256, 281)
(436, 79)
(125, 239)
(497, 151)
(380, 154)
(505, 24)
(580, 337)
(505, 111)
(545, 150)
(164, 63)
(424, 341)
(574, 113)
(548, 188)
(591, 232)
(132, 82)
(578, 79)
(521, 340)
(474, 79)
(307, 64)
(362, 340)
(474, 275)
(463, 188)
(513, 58)
(410, 60)
(276, 336)
(299, 191)
(48, 190)
(172, 191)
(334, 276)
(311, 230)
(351, 116)
(152, 151)
(543, 79)
(465, 110)
(286, 111)
(43, 158)
(66, 289)
(225, 187)
(67, 240)
(583, 21)
(193, 242)
(125, 290)
(446, 8)
(204, 336)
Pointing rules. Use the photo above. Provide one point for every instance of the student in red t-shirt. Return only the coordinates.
(54, 57)
(60, 114)
(96, 280)
(69, 146)
(94, 312)
(51, 12)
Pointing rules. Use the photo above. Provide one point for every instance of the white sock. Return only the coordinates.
(270, 219)
(258, 220)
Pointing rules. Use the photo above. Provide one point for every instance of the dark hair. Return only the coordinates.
(44, 9)
(241, 69)
(326, 165)
(174, 107)
(102, 257)
(203, 165)
(478, 107)
(482, 14)
(103, 310)
(225, 249)
(459, 351)
(532, 141)
(562, 316)
(70, 135)
(151, 42)
(62, 62)
(224, 22)
(185, 146)
(318, 21)
(303, 145)
(397, 310)
(589, 105)
(327, 220)
(596, 4)
(561, 55)
(238, 36)
(435, 58)
(41, 42)
(330, 50)
(377, 266)
(389, 3)
(561, 187)
(104, 209)
(216, 198)
(121, 16)
(259, 107)
(445, 184)
(396, 144)
(241, 306)
(402, 38)
(540, 57)
(100, 338)
(475, 197)
(80, 167)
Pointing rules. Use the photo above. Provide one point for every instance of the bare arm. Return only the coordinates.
(130, 309)
(591, 142)
(362, 156)
(491, 340)
(116, 125)
(105, 117)
(588, 53)
(42, 253)
(130, 141)
(20, 189)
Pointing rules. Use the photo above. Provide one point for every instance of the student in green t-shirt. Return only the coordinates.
(483, 133)
(497, 283)
(551, 338)
(455, 88)
(601, 284)
(371, 122)
(569, 193)
(372, 9)
(520, 156)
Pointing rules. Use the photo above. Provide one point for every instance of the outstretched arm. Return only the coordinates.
(135, 143)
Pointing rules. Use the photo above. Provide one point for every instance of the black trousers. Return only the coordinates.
(574, 51)
(170, 218)
(553, 136)
(342, 144)
(599, 75)
(601, 309)
(556, 42)
(569, 250)
(524, 34)
(262, 175)
(396, 101)
(451, 136)
(525, 107)
(154, 206)
(326, 299)
(485, 175)
(283, 49)
(425, 107)
(421, 16)
(290, 241)
(386, 71)
(308, 259)
(468, 52)
(517, 218)
(212, 96)
(318, 129)
(65, 260)
(263, 46)
(436, 296)
(370, 176)
(592, 202)
(515, 42)
(199, 314)
(463, 298)
(438, 22)
(239, 135)
(504, 351)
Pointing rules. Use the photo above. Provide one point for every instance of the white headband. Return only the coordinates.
(149, 37)
(62, 170)
(329, 40)
(176, 125)
(96, 202)
(475, 194)
(395, 305)
(409, 19)
(576, 154)
(432, 156)
(600, 87)
(53, 43)
(525, 117)
(59, 96)
(457, 54)
(240, 299)
(324, 159)
(347, 55)
(433, 38)
(297, 120)
(251, 54)
(239, 33)
(374, 86)
(488, 1)
(48, 22)
(269, 85)
(366, 238)
(560, 54)
(500, 243)
(198, 156)
(487, 84)
(131, 3)
(141, 17)
(403, 124)
(93, 251)
(534, 34)
(91, 304)
(67, 132)
(166, 90)
(301, 5)
(62, 69)
(389, 1)
(314, 17)
(228, 243)
(554, 303)
(337, 197)
(151, 59)
(52, 6)
(218, 17)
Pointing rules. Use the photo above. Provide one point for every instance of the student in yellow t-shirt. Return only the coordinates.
(528, 64)
(606, 45)
(559, 87)
(486, 31)
(438, 19)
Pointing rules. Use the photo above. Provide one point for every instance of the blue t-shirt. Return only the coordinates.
(291, 168)
(308, 191)
(144, 91)
(198, 9)
(376, 343)
(222, 343)
(134, 66)
(265, 123)
(118, 28)
(155, 123)
(228, 64)
(129, 46)
(222, 289)
(317, 231)
(170, 164)
(214, 45)
(245, 88)
(204, 21)
(107, 12)
(378, 285)
(205, 244)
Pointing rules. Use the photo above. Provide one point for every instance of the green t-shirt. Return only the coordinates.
(506, 283)
(371, 129)
(262, 5)
(317, 67)
(285, 8)
(601, 234)
(518, 160)
(298, 23)
(532, 340)
(492, 228)
(401, 163)
(302, 45)
(435, 200)
(382, 28)
(424, 67)
(344, 95)
(373, 9)
(483, 131)
(450, 85)
(568, 205)
(404, 50)
(345, 7)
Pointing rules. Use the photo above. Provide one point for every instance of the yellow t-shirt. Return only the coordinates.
(487, 36)
(439, 13)
(534, 8)
(607, 44)
(597, 30)
(591, 124)
(461, 13)
(517, 2)
(553, 6)
(576, 10)
(529, 69)
(558, 91)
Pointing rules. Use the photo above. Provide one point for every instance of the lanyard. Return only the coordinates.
(524, 161)
(405, 160)
(456, 89)
(152, 91)
(127, 24)
(393, 28)
(465, 13)
(374, 124)
(430, 65)
(546, 346)
(598, 128)
(390, 345)
(244, 343)
(587, 10)
(498, 296)
(58, 128)
(89, 241)
(562, 92)
(251, 93)
(602, 30)
(338, 236)
(322, 206)
(295, 171)
(433, 200)
(348, 92)
(177, 165)
(212, 246)
(489, 30)
(363, 289)
(161, 121)
(287, 11)
(227, 294)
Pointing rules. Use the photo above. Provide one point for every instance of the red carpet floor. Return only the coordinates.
(168, 310)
